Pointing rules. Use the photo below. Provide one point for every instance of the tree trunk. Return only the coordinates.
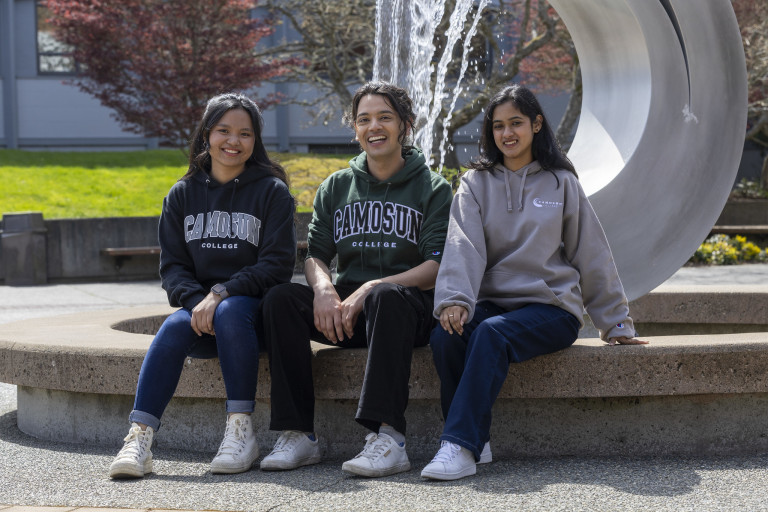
(565, 129)
(451, 158)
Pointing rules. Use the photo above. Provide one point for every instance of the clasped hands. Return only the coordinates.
(336, 318)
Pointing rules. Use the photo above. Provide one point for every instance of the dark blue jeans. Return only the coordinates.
(472, 367)
(235, 344)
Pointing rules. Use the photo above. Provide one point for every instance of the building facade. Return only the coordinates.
(41, 110)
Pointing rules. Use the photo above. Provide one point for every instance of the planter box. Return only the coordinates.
(744, 212)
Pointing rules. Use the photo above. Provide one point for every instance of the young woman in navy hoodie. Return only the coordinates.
(226, 235)
(525, 255)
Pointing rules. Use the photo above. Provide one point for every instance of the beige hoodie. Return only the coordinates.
(516, 238)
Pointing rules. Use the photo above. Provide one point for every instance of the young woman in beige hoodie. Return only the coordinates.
(524, 256)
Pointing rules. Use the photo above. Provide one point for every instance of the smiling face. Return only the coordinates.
(377, 128)
(231, 143)
(513, 134)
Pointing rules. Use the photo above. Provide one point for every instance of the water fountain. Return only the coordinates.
(657, 146)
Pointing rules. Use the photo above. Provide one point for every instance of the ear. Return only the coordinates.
(537, 123)
(408, 129)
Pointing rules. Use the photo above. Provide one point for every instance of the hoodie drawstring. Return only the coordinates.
(381, 236)
(509, 189)
(231, 207)
(205, 215)
(362, 245)
(522, 187)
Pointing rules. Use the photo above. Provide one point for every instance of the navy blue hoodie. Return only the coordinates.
(240, 234)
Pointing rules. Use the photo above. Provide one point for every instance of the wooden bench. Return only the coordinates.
(752, 229)
(121, 254)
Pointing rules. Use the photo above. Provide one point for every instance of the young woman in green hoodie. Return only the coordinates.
(385, 218)
(525, 255)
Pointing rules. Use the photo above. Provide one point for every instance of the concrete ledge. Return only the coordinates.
(76, 377)
(692, 309)
(85, 353)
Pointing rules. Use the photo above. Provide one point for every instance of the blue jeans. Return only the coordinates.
(472, 367)
(235, 344)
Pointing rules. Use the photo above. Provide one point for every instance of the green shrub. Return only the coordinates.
(749, 189)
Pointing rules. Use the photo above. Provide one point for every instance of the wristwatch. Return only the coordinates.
(220, 290)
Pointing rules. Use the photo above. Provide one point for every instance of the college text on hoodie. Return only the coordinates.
(240, 234)
(379, 228)
(516, 237)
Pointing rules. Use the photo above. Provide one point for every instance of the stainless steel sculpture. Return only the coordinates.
(663, 114)
(662, 125)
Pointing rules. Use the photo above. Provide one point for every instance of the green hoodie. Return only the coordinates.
(379, 228)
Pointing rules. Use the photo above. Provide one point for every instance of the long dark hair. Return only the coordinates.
(200, 160)
(396, 97)
(545, 148)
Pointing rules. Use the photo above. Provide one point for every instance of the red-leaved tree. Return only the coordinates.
(155, 63)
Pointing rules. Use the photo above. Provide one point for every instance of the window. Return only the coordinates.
(53, 56)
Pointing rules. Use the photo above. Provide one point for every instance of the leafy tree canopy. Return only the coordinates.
(157, 62)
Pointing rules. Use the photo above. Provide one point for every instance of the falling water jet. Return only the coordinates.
(405, 55)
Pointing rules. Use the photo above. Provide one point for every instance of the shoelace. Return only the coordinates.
(374, 446)
(234, 438)
(447, 452)
(287, 441)
(135, 443)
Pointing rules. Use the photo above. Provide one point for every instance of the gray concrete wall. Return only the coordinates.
(744, 212)
(74, 245)
(619, 426)
(72, 250)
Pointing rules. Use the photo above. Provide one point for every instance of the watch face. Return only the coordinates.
(218, 289)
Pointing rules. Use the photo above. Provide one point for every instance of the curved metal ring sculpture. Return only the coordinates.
(662, 125)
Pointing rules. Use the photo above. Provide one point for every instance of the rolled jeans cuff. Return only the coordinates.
(241, 406)
(145, 418)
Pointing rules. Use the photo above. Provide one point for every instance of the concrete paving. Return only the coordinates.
(43, 476)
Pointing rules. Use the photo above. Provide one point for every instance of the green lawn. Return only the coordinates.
(122, 184)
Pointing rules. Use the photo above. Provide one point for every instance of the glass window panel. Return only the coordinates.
(56, 64)
(53, 55)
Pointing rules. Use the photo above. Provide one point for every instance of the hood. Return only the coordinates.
(520, 174)
(414, 163)
(250, 174)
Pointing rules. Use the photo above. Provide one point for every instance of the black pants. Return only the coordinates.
(394, 320)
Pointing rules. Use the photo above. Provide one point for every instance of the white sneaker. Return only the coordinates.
(293, 449)
(381, 456)
(135, 457)
(486, 456)
(451, 463)
(238, 449)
